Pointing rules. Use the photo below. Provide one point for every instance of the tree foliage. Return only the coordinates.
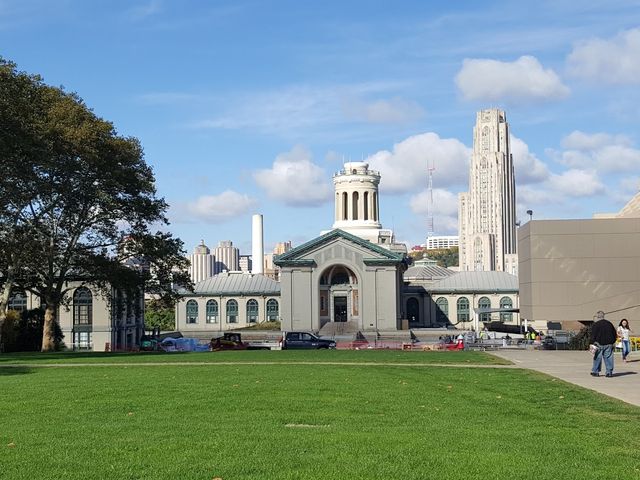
(89, 206)
(159, 314)
(445, 257)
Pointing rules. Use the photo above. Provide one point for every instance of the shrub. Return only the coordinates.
(580, 341)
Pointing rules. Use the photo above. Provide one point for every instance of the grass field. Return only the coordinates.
(284, 356)
(292, 421)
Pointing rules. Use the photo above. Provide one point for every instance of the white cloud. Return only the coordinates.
(405, 168)
(297, 107)
(601, 151)
(295, 180)
(524, 80)
(445, 209)
(528, 168)
(613, 61)
(577, 183)
(444, 202)
(394, 110)
(578, 140)
(216, 208)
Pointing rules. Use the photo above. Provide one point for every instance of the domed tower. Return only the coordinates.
(356, 201)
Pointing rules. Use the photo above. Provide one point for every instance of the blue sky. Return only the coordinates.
(250, 106)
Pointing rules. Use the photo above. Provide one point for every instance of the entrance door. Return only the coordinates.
(339, 309)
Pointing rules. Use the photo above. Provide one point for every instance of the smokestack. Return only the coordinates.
(257, 245)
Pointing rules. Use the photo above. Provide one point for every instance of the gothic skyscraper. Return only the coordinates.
(486, 213)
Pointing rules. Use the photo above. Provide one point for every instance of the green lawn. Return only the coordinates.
(354, 356)
(308, 421)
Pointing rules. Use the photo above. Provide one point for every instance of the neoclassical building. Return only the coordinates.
(228, 301)
(91, 321)
(486, 213)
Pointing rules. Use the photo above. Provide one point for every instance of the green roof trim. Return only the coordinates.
(290, 258)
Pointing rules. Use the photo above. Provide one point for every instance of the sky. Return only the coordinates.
(247, 107)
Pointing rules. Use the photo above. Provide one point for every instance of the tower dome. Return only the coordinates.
(356, 200)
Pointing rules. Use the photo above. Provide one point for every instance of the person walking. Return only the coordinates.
(603, 336)
(624, 332)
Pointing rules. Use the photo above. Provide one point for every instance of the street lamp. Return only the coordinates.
(530, 213)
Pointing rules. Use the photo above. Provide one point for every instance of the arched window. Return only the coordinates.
(212, 311)
(484, 302)
(17, 302)
(366, 206)
(506, 302)
(232, 311)
(354, 205)
(82, 307)
(252, 311)
(345, 206)
(192, 311)
(442, 310)
(272, 310)
(413, 311)
(463, 309)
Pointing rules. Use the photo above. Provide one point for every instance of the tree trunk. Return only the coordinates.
(48, 330)
(4, 301)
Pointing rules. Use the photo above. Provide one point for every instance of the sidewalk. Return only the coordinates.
(574, 367)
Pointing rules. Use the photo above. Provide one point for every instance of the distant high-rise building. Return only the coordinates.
(486, 213)
(245, 263)
(282, 247)
(436, 242)
(202, 263)
(227, 257)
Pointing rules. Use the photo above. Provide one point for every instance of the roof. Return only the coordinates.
(427, 272)
(237, 283)
(477, 282)
(293, 255)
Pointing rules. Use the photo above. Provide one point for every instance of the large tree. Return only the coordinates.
(90, 217)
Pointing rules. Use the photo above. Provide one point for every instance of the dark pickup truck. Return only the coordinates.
(304, 340)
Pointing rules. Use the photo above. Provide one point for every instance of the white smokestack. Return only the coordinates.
(257, 245)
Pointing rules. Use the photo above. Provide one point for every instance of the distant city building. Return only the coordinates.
(282, 247)
(227, 257)
(486, 213)
(441, 241)
(245, 263)
(202, 263)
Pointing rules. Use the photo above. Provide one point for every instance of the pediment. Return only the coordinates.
(338, 244)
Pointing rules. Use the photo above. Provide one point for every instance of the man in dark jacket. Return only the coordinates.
(603, 336)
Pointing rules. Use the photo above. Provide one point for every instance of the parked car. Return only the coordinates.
(305, 340)
(148, 343)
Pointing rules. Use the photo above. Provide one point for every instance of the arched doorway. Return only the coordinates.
(339, 295)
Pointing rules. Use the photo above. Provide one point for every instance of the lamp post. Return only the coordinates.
(530, 213)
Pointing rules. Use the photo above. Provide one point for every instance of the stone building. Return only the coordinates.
(91, 321)
(486, 213)
(227, 301)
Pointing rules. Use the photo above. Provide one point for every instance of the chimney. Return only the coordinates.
(257, 245)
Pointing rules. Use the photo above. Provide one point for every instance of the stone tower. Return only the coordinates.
(486, 213)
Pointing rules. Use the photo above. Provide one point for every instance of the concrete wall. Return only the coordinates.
(569, 269)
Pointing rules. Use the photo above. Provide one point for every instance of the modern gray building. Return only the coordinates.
(570, 269)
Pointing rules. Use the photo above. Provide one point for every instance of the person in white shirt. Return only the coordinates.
(623, 333)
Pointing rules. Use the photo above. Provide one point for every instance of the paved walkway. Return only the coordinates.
(574, 367)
